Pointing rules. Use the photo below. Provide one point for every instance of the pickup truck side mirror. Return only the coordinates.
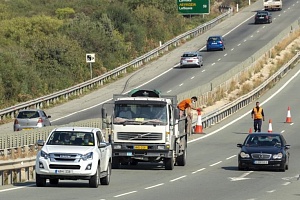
(102, 144)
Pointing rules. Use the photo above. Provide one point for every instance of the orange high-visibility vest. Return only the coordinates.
(184, 104)
(257, 113)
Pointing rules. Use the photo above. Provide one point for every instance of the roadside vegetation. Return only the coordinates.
(43, 43)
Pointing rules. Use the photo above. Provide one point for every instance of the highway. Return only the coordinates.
(211, 170)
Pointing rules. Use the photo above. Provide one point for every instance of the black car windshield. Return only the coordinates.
(263, 140)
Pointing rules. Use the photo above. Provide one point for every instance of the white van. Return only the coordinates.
(273, 4)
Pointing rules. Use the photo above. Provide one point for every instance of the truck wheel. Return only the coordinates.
(105, 180)
(169, 163)
(40, 182)
(181, 160)
(115, 163)
(94, 180)
(54, 181)
(134, 162)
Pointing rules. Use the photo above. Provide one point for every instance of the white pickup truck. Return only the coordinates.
(72, 153)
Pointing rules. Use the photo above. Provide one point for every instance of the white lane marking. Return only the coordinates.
(284, 11)
(120, 195)
(16, 188)
(274, 18)
(263, 26)
(219, 59)
(154, 186)
(282, 131)
(199, 170)
(203, 70)
(169, 91)
(175, 179)
(245, 40)
(279, 15)
(289, 8)
(181, 84)
(213, 64)
(251, 36)
(230, 157)
(192, 77)
(215, 164)
(271, 191)
(247, 113)
(242, 177)
(239, 44)
(257, 31)
(286, 183)
(225, 54)
(232, 49)
(291, 124)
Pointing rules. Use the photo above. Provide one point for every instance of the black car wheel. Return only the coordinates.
(240, 168)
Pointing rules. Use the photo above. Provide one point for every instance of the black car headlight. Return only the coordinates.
(244, 155)
(44, 154)
(277, 156)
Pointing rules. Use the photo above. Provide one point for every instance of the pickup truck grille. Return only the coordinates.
(64, 157)
(139, 136)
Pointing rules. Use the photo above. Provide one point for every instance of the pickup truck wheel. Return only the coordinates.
(105, 180)
(54, 181)
(94, 180)
(40, 182)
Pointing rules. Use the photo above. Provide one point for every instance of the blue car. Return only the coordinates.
(215, 43)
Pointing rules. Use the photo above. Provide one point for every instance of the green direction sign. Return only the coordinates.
(193, 6)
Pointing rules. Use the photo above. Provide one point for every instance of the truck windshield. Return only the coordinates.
(140, 114)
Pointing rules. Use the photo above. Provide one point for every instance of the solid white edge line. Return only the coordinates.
(16, 188)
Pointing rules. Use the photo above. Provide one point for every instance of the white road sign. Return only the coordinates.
(90, 57)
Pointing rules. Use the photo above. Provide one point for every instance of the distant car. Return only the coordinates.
(31, 119)
(263, 17)
(191, 59)
(215, 43)
(264, 150)
(74, 153)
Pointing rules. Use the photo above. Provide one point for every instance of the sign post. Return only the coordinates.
(193, 7)
(90, 58)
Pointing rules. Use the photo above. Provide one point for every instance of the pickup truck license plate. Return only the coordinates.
(261, 162)
(140, 147)
(63, 171)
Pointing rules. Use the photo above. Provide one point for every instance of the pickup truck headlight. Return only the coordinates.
(88, 156)
(244, 155)
(277, 156)
(44, 154)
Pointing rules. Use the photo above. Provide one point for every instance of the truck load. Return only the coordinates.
(146, 127)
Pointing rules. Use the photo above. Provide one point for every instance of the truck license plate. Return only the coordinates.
(140, 147)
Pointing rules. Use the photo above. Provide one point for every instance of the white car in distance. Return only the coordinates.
(73, 153)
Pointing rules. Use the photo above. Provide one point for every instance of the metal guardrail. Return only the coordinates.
(101, 80)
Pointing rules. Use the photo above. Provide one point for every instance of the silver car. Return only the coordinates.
(191, 59)
(30, 119)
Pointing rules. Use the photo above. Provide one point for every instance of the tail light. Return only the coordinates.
(220, 42)
(40, 120)
(267, 17)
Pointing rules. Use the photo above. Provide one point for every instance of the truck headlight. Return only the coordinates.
(87, 156)
(167, 136)
(160, 147)
(44, 154)
(277, 156)
(244, 155)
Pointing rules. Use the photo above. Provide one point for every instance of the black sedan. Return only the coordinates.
(264, 150)
(262, 17)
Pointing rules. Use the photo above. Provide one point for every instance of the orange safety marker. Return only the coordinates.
(198, 128)
(288, 117)
(250, 130)
(270, 126)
